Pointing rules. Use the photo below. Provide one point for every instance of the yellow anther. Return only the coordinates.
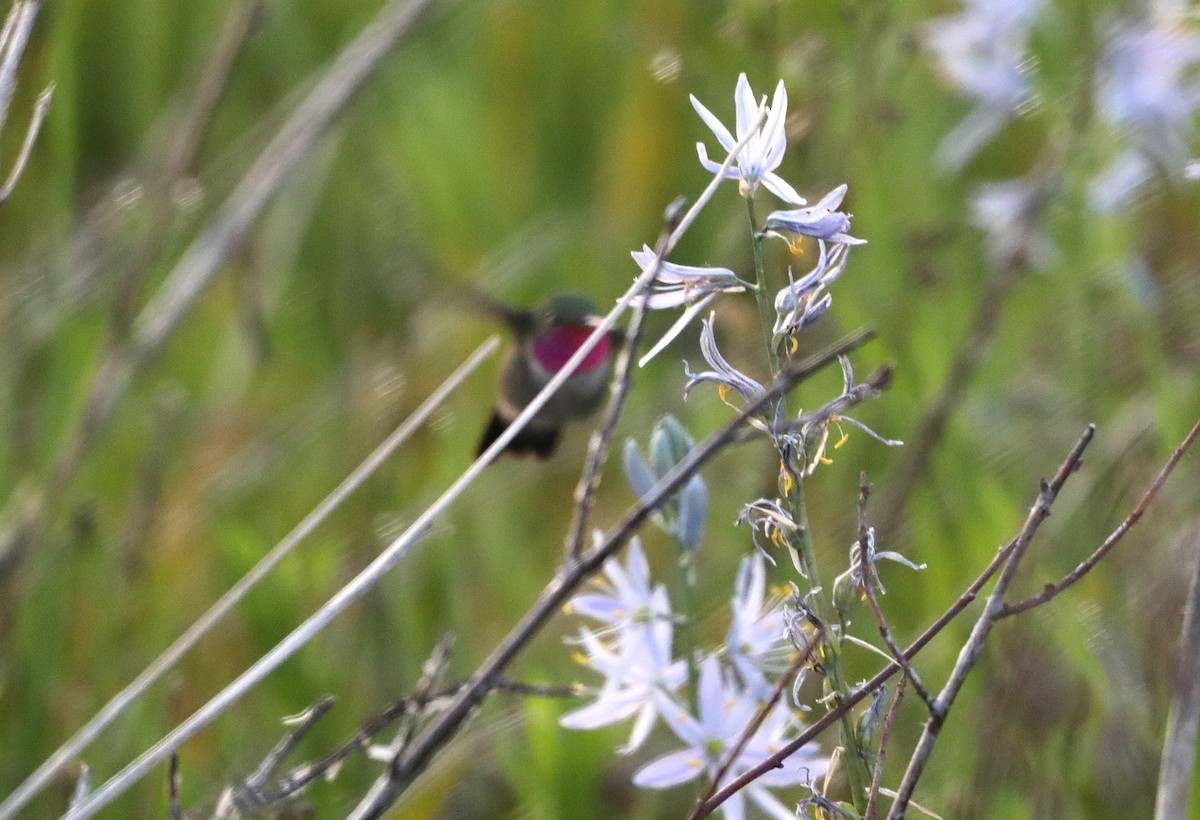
(723, 392)
(845, 437)
(580, 658)
(825, 460)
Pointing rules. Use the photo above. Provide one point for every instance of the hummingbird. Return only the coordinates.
(544, 338)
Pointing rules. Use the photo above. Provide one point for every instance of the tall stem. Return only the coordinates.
(761, 293)
(801, 542)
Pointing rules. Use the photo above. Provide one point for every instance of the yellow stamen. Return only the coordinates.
(845, 437)
(723, 392)
(580, 658)
(824, 460)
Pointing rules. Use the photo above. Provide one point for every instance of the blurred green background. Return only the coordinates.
(521, 147)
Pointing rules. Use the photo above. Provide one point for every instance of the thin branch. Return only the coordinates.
(123, 699)
(622, 380)
(83, 784)
(301, 776)
(251, 795)
(881, 755)
(1175, 773)
(174, 809)
(13, 38)
(992, 610)
(40, 109)
(867, 689)
(1051, 590)
(868, 572)
(556, 594)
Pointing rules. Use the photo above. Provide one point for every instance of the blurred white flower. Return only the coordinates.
(1148, 90)
(756, 643)
(983, 52)
(1010, 215)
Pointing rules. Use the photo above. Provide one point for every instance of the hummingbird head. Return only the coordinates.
(566, 320)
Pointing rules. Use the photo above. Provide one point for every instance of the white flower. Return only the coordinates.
(638, 673)
(756, 642)
(725, 711)
(627, 598)
(762, 154)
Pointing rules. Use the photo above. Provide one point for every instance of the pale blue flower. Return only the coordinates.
(1010, 215)
(724, 712)
(804, 300)
(821, 221)
(984, 53)
(1148, 91)
(638, 673)
(757, 161)
(725, 375)
(756, 643)
(677, 285)
(626, 598)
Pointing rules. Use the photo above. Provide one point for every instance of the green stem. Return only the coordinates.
(855, 764)
(761, 293)
(687, 627)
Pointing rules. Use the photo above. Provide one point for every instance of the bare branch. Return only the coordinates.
(251, 795)
(174, 810)
(1051, 590)
(881, 755)
(622, 380)
(40, 109)
(973, 649)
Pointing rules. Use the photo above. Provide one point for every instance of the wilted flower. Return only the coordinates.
(803, 301)
(768, 517)
(984, 53)
(821, 221)
(762, 154)
(724, 712)
(676, 285)
(817, 424)
(849, 587)
(1148, 91)
(725, 375)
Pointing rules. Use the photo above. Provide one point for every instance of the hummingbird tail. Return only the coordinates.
(538, 441)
